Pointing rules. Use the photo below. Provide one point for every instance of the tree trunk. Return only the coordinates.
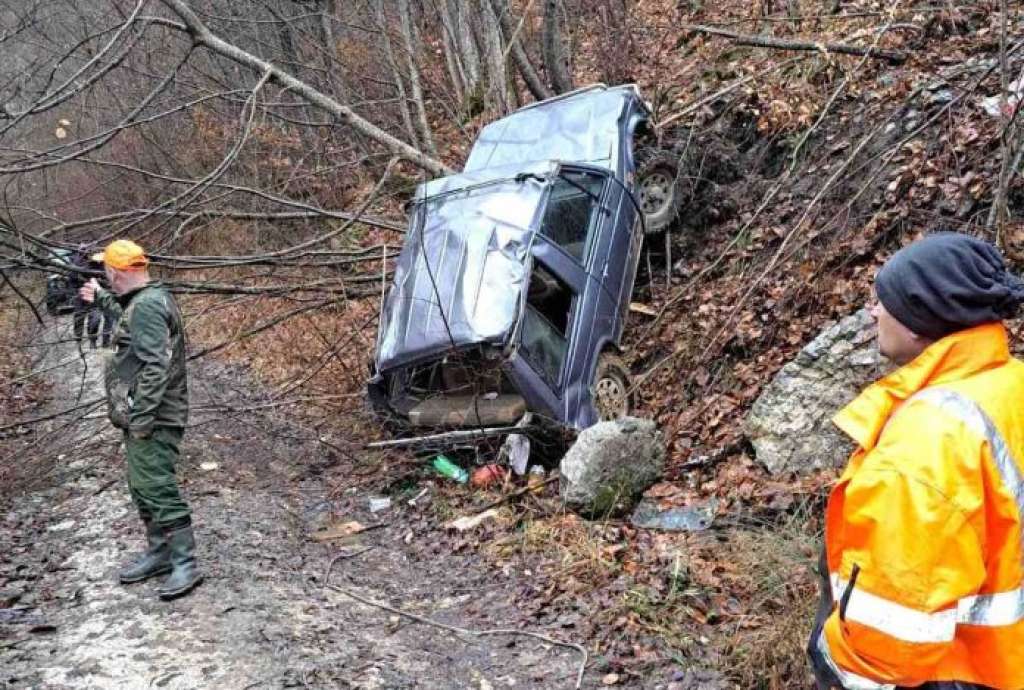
(468, 52)
(556, 61)
(616, 57)
(201, 35)
(334, 79)
(406, 23)
(291, 56)
(403, 100)
(451, 52)
(497, 72)
(330, 45)
(529, 73)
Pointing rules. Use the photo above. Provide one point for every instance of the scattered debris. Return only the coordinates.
(208, 466)
(447, 437)
(638, 308)
(610, 679)
(516, 450)
(379, 504)
(610, 465)
(693, 518)
(469, 522)
(421, 494)
(487, 475)
(339, 531)
(537, 479)
(446, 468)
(994, 105)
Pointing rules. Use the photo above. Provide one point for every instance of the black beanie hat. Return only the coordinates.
(947, 282)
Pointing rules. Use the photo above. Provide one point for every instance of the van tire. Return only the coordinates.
(659, 188)
(612, 394)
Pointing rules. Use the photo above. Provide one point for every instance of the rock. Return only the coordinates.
(790, 425)
(610, 466)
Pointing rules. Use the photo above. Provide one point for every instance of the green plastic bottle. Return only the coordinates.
(447, 468)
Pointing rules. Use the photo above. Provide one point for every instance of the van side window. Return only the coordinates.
(570, 211)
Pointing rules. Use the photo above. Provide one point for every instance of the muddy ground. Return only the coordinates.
(262, 618)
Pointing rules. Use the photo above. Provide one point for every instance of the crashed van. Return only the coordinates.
(512, 288)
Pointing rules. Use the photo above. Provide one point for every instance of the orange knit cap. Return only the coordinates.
(124, 255)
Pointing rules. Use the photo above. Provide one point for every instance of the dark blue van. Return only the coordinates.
(512, 289)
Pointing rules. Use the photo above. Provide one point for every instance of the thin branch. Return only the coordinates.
(124, 124)
(201, 35)
(20, 294)
(466, 631)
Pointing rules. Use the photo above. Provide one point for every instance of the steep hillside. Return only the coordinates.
(815, 139)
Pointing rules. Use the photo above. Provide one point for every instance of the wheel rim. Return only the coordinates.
(656, 191)
(611, 399)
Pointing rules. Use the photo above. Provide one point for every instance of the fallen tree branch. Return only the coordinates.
(466, 631)
(44, 418)
(894, 57)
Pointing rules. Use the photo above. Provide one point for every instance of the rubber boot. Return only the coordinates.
(184, 573)
(156, 560)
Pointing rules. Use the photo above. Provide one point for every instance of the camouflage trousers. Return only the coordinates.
(151, 478)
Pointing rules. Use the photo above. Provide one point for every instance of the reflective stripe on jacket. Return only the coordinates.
(923, 531)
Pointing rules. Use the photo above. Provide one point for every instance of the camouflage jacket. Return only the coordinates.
(145, 374)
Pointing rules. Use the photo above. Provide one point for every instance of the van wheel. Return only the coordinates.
(612, 384)
(659, 188)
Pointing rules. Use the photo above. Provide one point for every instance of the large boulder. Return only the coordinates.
(611, 465)
(790, 425)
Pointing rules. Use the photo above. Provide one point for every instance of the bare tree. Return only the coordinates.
(556, 60)
(389, 51)
(511, 33)
(498, 91)
(202, 36)
(458, 26)
(452, 56)
(411, 52)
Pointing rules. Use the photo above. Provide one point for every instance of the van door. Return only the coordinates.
(561, 289)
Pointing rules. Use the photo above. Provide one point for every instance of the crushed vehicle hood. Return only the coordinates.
(583, 127)
(461, 275)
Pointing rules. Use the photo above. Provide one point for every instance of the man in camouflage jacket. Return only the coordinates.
(147, 398)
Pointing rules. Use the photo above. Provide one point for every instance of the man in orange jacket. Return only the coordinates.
(923, 567)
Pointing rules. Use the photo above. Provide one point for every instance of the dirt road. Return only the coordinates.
(262, 619)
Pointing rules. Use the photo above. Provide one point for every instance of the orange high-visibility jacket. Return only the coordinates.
(923, 533)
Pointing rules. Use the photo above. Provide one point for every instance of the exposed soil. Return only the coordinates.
(262, 617)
